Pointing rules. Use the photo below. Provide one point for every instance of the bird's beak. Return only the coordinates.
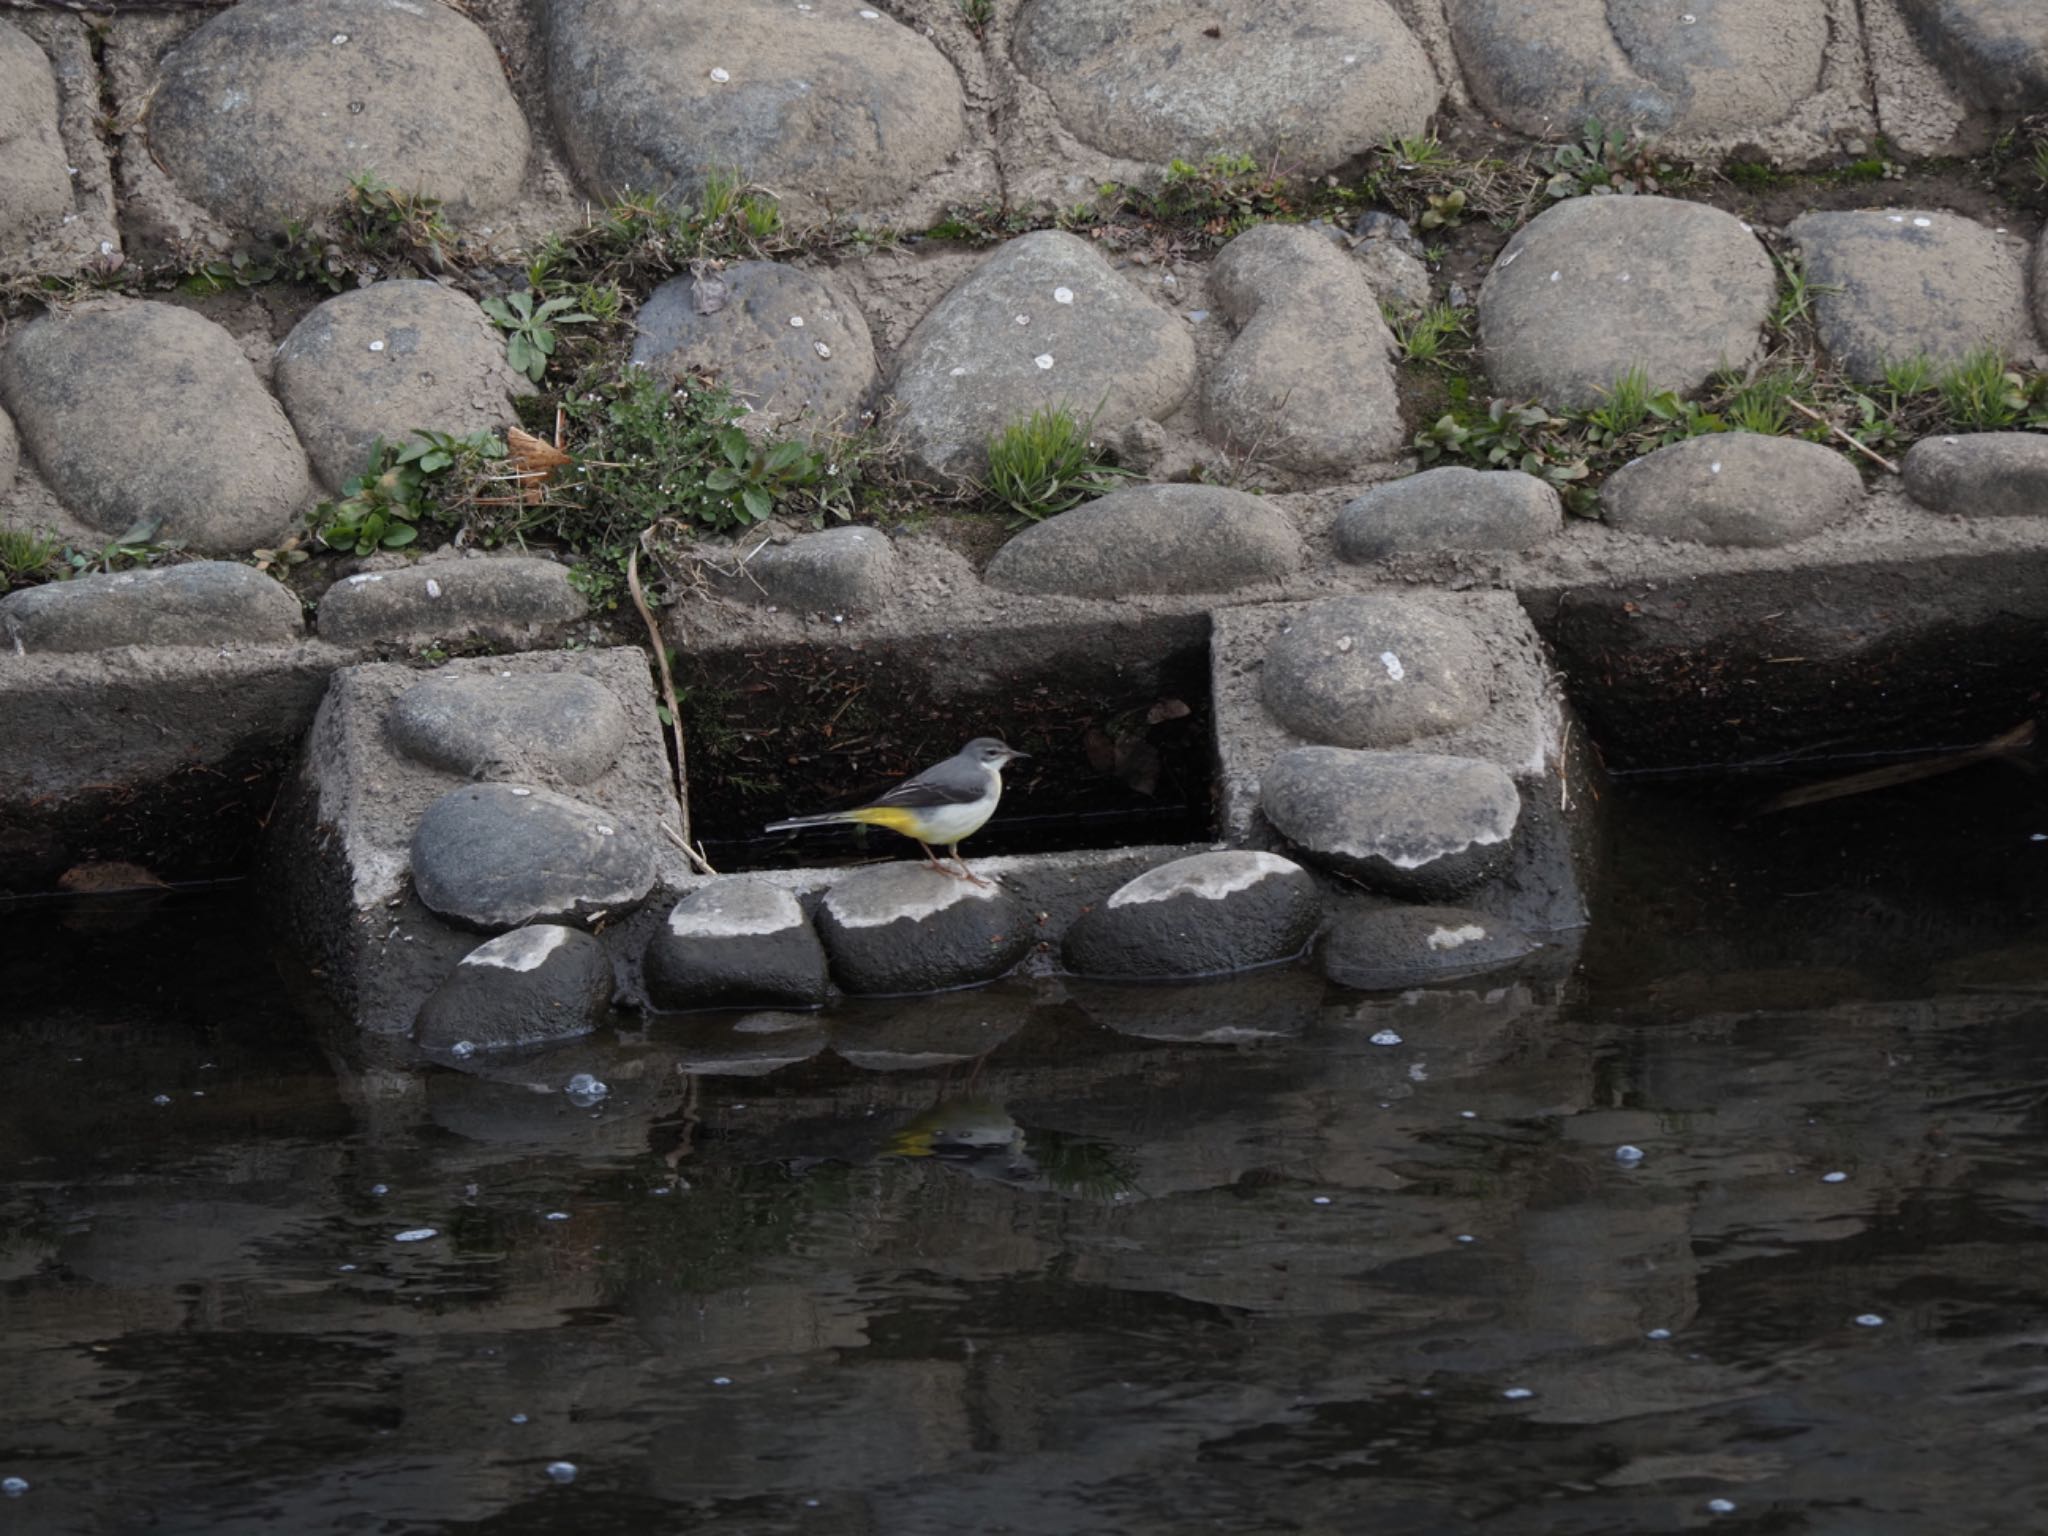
(1015, 754)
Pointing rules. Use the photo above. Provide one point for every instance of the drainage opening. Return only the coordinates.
(1121, 754)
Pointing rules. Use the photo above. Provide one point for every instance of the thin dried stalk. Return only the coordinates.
(675, 713)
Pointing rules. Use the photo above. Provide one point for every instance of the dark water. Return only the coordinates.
(1007, 1263)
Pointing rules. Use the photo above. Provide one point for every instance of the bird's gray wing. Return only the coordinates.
(943, 784)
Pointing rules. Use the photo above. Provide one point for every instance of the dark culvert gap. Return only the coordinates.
(1119, 758)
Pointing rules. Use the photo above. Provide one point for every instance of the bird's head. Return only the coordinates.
(989, 752)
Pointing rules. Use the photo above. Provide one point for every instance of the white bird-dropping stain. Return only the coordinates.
(797, 321)
(1393, 665)
(1210, 882)
(1063, 295)
(1023, 320)
(1451, 938)
(1923, 223)
(1715, 467)
(433, 587)
(376, 346)
(1044, 359)
(523, 949)
(720, 76)
(821, 349)
(957, 373)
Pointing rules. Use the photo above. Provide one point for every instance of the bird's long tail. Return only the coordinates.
(825, 820)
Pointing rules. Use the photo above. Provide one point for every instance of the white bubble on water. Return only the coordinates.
(380, 1189)
(1658, 1333)
(518, 1418)
(1319, 1200)
(1386, 1037)
(1837, 1177)
(415, 1234)
(585, 1090)
(561, 1471)
(1467, 1237)
(557, 1216)
(162, 1098)
(721, 1381)
(1721, 1506)
(1869, 1320)
(13, 1487)
(1628, 1155)
(1518, 1394)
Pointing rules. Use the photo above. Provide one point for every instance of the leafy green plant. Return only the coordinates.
(1792, 313)
(1906, 377)
(1222, 195)
(25, 554)
(1762, 404)
(1047, 463)
(1604, 161)
(383, 220)
(977, 13)
(762, 472)
(530, 327)
(1506, 435)
(1429, 335)
(383, 507)
(1443, 210)
(1636, 417)
(1979, 392)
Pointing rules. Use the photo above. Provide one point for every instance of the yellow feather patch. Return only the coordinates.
(894, 817)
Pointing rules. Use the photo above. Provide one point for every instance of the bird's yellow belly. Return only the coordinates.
(938, 824)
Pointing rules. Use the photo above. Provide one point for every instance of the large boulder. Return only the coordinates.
(1596, 286)
(1151, 539)
(265, 113)
(904, 927)
(790, 349)
(737, 942)
(35, 186)
(1413, 824)
(1994, 52)
(1309, 382)
(1205, 915)
(208, 602)
(559, 727)
(541, 982)
(1043, 321)
(495, 856)
(1733, 488)
(1976, 474)
(1375, 670)
(387, 360)
(1454, 507)
(142, 414)
(839, 107)
(1731, 67)
(1313, 82)
(1892, 286)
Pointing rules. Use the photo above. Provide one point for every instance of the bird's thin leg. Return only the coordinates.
(934, 858)
(965, 872)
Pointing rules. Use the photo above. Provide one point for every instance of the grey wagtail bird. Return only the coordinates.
(946, 804)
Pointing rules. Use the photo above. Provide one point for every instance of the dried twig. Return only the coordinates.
(1867, 452)
(675, 713)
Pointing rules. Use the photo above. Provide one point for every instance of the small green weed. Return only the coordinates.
(763, 472)
(977, 13)
(1792, 315)
(26, 554)
(1047, 463)
(1982, 393)
(1430, 336)
(529, 328)
(1506, 435)
(1222, 195)
(383, 507)
(1443, 210)
(1906, 377)
(1605, 161)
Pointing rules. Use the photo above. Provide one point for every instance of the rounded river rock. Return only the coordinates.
(1733, 488)
(540, 982)
(554, 725)
(1205, 915)
(903, 927)
(1414, 824)
(1375, 671)
(1393, 948)
(1151, 539)
(495, 856)
(205, 602)
(1450, 508)
(737, 942)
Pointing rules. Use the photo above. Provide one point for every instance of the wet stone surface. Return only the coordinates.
(146, 414)
(1043, 321)
(1904, 283)
(837, 106)
(1151, 539)
(1725, 67)
(1205, 915)
(537, 983)
(1316, 80)
(266, 111)
(1596, 286)
(551, 726)
(496, 856)
(1413, 824)
(782, 340)
(1309, 377)
(386, 360)
(904, 927)
(35, 188)
(1450, 508)
(1980, 474)
(1390, 948)
(207, 602)
(737, 942)
(1735, 489)
(1375, 671)
(504, 597)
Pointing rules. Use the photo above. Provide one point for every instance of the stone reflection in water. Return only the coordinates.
(1048, 1270)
